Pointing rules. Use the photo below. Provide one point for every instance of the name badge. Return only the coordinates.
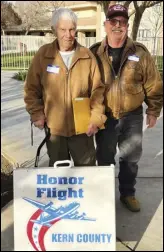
(53, 69)
(133, 57)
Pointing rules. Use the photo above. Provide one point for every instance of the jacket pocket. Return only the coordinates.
(134, 88)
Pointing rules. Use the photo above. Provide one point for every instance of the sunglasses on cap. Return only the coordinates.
(114, 21)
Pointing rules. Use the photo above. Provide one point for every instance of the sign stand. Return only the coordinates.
(66, 209)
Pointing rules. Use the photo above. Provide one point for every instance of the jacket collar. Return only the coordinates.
(53, 50)
(129, 46)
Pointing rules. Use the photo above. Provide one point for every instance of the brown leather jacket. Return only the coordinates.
(137, 81)
(49, 94)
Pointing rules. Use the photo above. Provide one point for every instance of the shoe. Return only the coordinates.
(131, 203)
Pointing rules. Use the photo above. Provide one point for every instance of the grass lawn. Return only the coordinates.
(159, 62)
(16, 60)
(20, 61)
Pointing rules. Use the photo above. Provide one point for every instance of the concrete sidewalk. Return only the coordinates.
(134, 230)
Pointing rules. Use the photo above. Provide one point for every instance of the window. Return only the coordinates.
(144, 33)
(157, 7)
(90, 34)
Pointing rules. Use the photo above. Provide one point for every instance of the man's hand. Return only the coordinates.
(151, 121)
(39, 124)
(92, 129)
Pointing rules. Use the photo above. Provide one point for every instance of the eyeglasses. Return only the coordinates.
(114, 21)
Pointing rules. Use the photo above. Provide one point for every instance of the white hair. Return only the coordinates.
(63, 13)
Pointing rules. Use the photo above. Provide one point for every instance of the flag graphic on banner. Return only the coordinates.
(46, 216)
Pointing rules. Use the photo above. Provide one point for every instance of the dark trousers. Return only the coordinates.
(127, 133)
(79, 147)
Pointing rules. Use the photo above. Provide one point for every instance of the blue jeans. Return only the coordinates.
(127, 133)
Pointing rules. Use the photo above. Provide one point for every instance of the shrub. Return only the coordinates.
(20, 75)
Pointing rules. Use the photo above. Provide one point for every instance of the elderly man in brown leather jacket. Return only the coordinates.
(131, 78)
(61, 71)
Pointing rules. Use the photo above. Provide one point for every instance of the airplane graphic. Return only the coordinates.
(50, 213)
(47, 215)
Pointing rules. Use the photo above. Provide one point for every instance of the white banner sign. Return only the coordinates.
(64, 209)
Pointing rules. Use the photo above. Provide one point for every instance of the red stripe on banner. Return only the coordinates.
(30, 226)
(42, 233)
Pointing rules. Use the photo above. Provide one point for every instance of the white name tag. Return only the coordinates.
(53, 69)
(133, 57)
(79, 99)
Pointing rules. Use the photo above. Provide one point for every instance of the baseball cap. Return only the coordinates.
(117, 10)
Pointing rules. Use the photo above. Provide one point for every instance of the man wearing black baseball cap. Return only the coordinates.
(131, 78)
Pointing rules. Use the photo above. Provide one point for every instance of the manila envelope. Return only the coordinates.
(82, 114)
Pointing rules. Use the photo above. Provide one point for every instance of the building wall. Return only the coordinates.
(91, 19)
(85, 13)
(102, 24)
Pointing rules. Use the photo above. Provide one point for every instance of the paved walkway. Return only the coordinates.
(134, 230)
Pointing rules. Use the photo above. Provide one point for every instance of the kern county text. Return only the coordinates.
(43, 179)
(83, 238)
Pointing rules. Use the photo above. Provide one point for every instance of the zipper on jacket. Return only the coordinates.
(111, 67)
(66, 100)
(67, 77)
(116, 79)
(119, 73)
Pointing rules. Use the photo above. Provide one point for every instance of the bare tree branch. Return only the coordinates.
(50, 6)
(132, 12)
(8, 16)
(139, 13)
(139, 8)
(36, 14)
(156, 19)
(144, 4)
(127, 3)
(152, 3)
(106, 4)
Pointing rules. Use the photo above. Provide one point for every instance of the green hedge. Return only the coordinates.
(20, 75)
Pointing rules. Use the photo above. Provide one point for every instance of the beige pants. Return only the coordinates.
(79, 147)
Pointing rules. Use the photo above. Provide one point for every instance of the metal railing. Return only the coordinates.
(18, 51)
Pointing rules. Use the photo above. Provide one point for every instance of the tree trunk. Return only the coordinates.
(136, 23)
